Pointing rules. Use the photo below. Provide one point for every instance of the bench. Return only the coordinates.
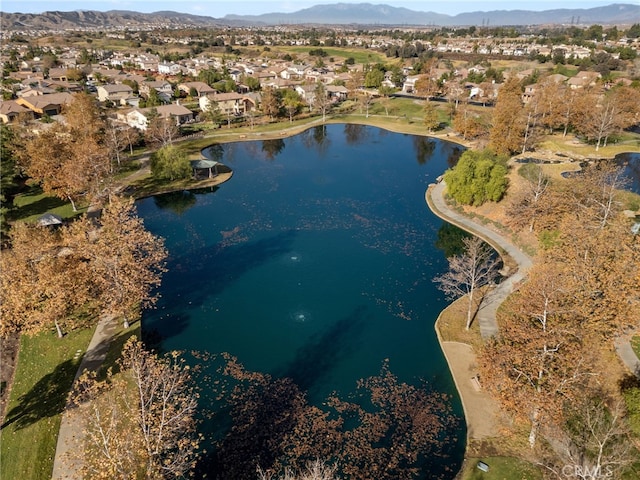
(475, 381)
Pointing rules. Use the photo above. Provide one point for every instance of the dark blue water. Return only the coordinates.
(315, 261)
(631, 163)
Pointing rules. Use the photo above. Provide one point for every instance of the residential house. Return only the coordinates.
(58, 74)
(409, 85)
(35, 89)
(279, 83)
(337, 93)
(48, 104)
(169, 68)
(139, 117)
(307, 92)
(117, 93)
(583, 80)
(10, 110)
(201, 89)
(228, 103)
(164, 89)
(295, 72)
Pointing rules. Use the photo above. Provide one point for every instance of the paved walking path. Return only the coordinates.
(482, 413)
(627, 355)
(65, 465)
(487, 315)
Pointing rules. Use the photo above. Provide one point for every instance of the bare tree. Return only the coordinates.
(528, 205)
(161, 131)
(321, 100)
(116, 140)
(597, 193)
(474, 269)
(595, 442)
(140, 423)
(316, 470)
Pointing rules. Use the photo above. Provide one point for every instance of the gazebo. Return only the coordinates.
(49, 220)
(211, 166)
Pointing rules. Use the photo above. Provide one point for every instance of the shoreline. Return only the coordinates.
(461, 359)
(480, 410)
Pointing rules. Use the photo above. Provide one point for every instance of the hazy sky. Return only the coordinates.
(220, 8)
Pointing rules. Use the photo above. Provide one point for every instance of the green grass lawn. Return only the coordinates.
(358, 54)
(635, 344)
(45, 371)
(33, 203)
(500, 468)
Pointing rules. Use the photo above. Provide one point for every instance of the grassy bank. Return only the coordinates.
(45, 370)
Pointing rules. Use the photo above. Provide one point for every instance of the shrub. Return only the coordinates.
(478, 177)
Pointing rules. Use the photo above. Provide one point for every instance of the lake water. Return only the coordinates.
(631, 163)
(314, 261)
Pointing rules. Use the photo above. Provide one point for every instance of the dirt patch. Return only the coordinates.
(8, 357)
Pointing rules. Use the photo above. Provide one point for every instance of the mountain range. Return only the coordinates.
(331, 14)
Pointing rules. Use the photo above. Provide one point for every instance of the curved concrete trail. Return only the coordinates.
(67, 466)
(487, 315)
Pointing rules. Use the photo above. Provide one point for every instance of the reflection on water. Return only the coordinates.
(313, 262)
(631, 164)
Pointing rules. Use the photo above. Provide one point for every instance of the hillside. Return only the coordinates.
(330, 14)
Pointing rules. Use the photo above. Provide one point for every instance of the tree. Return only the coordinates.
(8, 173)
(374, 78)
(508, 123)
(553, 98)
(270, 102)
(321, 100)
(539, 357)
(170, 163)
(153, 99)
(529, 204)
(426, 87)
(116, 140)
(132, 136)
(469, 123)
(477, 178)
(45, 281)
(455, 92)
(602, 116)
(431, 119)
(141, 422)
(476, 268)
(597, 443)
(127, 261)
(316, 470)
(597, 193)
(292, 102)
(161, 131)
(71, 160)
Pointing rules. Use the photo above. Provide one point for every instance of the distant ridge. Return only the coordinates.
(332, 14)
(370, 14)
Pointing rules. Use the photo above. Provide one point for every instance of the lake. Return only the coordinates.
(315, 262)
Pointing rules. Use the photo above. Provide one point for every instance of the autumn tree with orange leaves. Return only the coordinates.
(71, 160)
(62, 278)
(127, 260)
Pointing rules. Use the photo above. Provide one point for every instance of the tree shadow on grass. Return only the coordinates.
(39, 207)
(46, 399)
